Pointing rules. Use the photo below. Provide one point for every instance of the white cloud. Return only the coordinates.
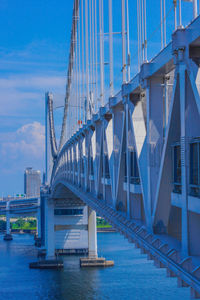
(35, 82)
(24, 94)
(23, 148)
(26, 73)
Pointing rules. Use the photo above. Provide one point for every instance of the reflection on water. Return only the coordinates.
(132, 277)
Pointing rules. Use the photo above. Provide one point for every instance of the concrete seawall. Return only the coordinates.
(106, 229)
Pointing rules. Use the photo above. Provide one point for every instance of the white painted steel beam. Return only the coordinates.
(184, 151)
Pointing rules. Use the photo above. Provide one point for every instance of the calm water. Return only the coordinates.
(132, 277)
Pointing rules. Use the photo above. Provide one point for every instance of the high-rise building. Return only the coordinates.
(32, 182)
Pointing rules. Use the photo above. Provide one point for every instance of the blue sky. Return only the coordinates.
(35, 36)
(34, 47)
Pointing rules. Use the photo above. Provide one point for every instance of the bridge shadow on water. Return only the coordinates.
(132, 278)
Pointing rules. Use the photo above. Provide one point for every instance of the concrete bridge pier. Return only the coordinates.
(38, 237)
(50, 261)
(92, 234)
(39, 222)
(92, 260)
(8, 235)
(50, 243)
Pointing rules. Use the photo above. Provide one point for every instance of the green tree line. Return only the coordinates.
(102, 223)
(29, 224)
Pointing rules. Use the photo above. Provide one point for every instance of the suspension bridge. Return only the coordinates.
(129, 147)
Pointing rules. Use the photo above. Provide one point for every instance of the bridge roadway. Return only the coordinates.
(130, 161)
(16, 207)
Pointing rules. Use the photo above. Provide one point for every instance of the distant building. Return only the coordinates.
(32, 182)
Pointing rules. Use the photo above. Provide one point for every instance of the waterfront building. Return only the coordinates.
(32, 182)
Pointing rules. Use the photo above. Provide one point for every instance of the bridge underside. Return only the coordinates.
(163, 249)
(70, 226)
(70, 221)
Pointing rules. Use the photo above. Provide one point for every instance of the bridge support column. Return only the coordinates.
(39, 223)
(38, 238)
(92, 234)
(50, 242)
(50, 262)
(8, 235)
(7, 222)
(92, 260)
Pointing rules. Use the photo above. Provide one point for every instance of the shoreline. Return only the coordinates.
(106, 229)
(33, 231)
